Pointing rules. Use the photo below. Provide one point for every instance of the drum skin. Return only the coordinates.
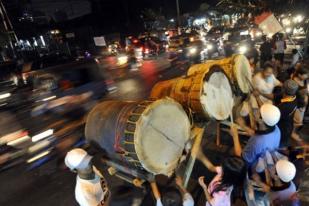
(126, 132)
(188, 91)
(236, 67)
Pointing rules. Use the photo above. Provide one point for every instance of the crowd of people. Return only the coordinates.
(262, 171)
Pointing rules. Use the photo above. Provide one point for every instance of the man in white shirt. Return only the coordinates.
(88, 189)
(295, 58)
(264, 83)
(280, 46)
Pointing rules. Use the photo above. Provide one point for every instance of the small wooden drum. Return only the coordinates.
(236, 67)
(145, 135)
(208, 94)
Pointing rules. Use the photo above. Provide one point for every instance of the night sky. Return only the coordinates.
(115, 13)
(107, 15)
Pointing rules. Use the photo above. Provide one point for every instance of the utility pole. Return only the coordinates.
(178, 16)
(8, 26)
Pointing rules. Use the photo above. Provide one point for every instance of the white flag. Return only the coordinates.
(268, 23)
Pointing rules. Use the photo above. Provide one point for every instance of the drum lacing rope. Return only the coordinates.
(120, 119)
(117, 146)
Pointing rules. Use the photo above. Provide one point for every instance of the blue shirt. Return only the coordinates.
(258, 144)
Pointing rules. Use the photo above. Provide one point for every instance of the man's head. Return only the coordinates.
(78, 160)
(264, 38)
(286, 170)
(268, 70)
(171, 196)
(270, 114)
(290, 87)
(298, 65)
(234, 171)
(302, 73)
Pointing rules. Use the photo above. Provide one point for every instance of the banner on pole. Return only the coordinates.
(268, 23)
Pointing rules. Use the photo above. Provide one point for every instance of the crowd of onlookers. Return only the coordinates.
(262, 171)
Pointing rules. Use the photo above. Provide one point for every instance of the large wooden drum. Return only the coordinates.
(145, 135)
(208, 94)
(236, 67)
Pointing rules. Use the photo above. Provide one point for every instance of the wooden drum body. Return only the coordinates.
(208, 94)
(145, 135)
(236, 67)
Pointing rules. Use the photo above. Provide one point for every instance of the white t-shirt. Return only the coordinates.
(283, 195)
(280, 47)
(187, 201)
(89, 192)
(295, 59)
(265, 86)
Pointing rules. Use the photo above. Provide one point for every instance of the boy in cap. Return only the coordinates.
(88, 189)
(287, 107)
(285, 171)
(264, 139)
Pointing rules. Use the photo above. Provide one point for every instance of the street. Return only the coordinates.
(144, 103)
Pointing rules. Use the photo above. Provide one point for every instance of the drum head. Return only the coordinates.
(243, 73)
(217, 95)
(160, 136)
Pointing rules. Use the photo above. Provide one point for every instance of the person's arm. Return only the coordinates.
(187, 198)
(268, 96)
(240, 121)
(257, 89)
(155, 191)
(204, 186)
(179, 183)
(201, 157)
(256, 177)
(237, 146)
(257, 94)
(277, 82)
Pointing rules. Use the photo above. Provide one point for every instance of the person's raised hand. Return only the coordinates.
(202, 182)
(256, 93)
(179, 181)
(266, 188)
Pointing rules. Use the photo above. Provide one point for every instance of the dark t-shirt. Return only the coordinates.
(287, 109)
(266, 49)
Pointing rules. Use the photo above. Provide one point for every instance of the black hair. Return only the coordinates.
(171, 196)
(267, 65)
(301, 71)
(278, 93)
(234, 172)
(294, 51)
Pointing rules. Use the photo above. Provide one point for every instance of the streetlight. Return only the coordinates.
(178, 15)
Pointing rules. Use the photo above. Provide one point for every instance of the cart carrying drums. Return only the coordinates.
(208, 94)
(236, 67)
(145, 136)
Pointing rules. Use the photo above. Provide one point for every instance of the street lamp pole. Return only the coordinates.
(178, 16)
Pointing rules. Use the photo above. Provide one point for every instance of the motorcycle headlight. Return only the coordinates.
(122, 60)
